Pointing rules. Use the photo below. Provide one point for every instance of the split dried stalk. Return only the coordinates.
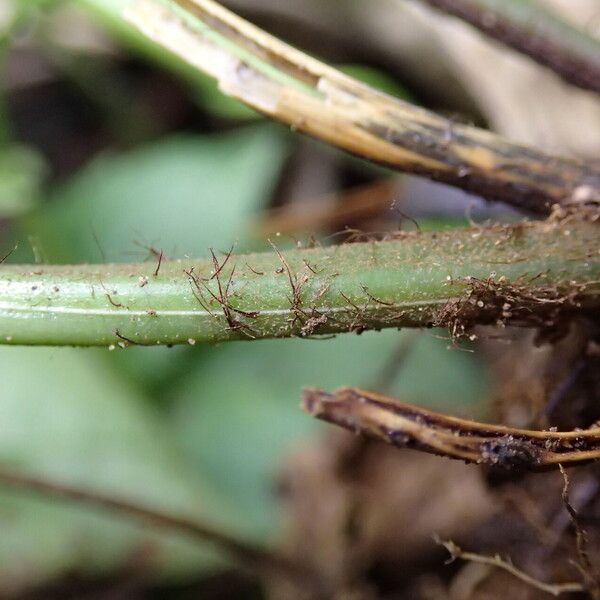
(530, 29)
(539, 274)
(408, 426)
(311, 97)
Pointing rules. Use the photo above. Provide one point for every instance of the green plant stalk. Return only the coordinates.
(527, 274)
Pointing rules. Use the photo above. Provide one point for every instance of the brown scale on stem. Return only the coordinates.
(365, 289)
(408, 426)
(296, 284)
(222, 296)
(357, 323)
(159, 260)
(126, 341)
(219, 267)
(254, 270)
(110, 299)
(309, 320)
(516, 303)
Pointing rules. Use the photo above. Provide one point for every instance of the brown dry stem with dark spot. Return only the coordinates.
(289, 86)
(407, 426)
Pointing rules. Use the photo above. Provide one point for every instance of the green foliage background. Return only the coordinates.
(197, 430)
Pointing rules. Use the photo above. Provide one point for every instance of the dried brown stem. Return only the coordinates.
(554, 589)
(406, 425)
(311, 97)
(534, 32)
(247, 555)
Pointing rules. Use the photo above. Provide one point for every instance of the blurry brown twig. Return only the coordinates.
(584, 564)
(331, 211)
(406, 425)
(247, 555)
(532, 30)
(7, 255)
(555, 589)
(289, 86)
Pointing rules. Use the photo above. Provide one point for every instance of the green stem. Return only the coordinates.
(528, 274)
(528, 27)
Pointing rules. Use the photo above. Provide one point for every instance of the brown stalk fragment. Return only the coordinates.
(408, 426)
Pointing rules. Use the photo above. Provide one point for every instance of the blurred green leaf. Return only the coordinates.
(181, 195)
(22, 173)
(67, 417)
(237, 415)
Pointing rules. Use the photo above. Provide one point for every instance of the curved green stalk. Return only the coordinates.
(528, 274)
